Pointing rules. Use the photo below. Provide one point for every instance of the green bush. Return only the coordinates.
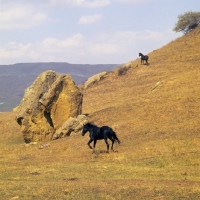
(187, 22)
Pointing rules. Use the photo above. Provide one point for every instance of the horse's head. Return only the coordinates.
(140, 54)
(85, 129)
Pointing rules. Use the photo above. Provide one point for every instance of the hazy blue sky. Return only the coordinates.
(86, 31)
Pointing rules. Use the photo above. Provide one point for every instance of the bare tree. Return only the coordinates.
(187, 22)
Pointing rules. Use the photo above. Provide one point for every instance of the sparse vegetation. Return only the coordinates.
(158, 157)
(187, 22)
(122, 70)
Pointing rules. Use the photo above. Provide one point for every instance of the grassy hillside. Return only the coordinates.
(154, 110)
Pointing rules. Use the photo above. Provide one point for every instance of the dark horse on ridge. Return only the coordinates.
(143, 58)
(99, 133)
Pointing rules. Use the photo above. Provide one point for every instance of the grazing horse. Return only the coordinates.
(99, 133)
(143, 58)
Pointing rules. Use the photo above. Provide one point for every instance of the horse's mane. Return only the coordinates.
(89, 124)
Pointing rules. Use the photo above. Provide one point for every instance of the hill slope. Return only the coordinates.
(164, 93)
(155, 112)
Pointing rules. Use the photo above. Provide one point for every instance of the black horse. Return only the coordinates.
(143, 58)
(99, 133)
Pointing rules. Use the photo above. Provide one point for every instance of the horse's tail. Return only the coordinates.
(115, 137)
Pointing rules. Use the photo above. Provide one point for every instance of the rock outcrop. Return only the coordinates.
(94, 79)
(72, 125)
(50, 101)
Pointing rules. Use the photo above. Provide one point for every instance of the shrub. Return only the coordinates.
(187, 22)
(123, 70)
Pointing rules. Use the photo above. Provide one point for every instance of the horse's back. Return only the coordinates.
(106, 130)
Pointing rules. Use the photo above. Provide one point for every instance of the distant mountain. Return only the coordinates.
(14, 79)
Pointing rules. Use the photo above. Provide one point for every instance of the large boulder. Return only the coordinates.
(47, 104)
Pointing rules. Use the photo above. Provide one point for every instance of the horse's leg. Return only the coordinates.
(90, 142)
(106, 141)
(95, 141)
(112, 142)
(94, 144)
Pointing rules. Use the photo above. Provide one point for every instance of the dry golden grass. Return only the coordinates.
(154, 110)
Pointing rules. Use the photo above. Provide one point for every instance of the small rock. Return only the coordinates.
(16, 197)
